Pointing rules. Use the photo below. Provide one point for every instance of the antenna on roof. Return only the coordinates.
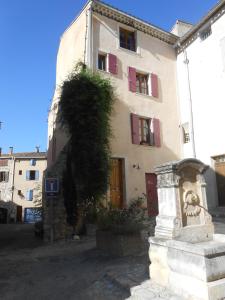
(37, 148)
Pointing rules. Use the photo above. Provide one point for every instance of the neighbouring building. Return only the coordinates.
(21, 185)
(201, 85)
(170, 95)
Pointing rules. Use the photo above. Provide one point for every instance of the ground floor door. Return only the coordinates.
(3, 215)
(220, 179)
(19, 214)
(151, 192)
(116, 182)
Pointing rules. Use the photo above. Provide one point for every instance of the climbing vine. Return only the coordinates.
(86, 105)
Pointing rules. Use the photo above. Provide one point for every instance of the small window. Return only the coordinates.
(102, 62)
(20, 172)
(19, 192)
(33, 162)
(205, 33)
(127, 39)
(142, 83)
(4, 176)
(185, 131)
(144, 131)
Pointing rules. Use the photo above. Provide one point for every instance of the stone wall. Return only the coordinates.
(61, 230)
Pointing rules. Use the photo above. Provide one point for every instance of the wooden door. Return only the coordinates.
(116, 183)
(220, 179)
(19, 214)
(151, 191)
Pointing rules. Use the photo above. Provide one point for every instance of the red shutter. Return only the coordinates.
(132, 79)
(112, 63)
(135, 129)
(154, 84)
(156, 131)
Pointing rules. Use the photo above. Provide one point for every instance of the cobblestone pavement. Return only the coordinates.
(65, 270)
(30, 269)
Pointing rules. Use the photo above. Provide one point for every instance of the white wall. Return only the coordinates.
(207, 82)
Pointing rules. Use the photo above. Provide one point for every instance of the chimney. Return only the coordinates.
(37, 149)
(11, 150)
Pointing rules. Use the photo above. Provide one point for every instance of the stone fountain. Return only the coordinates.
(187, 258)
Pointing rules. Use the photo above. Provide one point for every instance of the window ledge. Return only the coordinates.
(129, 51)
(143, 95)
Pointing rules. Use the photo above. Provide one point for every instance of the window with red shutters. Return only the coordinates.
(145, 131)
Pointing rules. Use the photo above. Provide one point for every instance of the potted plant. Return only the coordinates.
(119, 230)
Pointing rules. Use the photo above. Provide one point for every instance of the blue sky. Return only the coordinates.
(30, 33)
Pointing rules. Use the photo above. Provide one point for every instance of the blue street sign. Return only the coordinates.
(51, 186)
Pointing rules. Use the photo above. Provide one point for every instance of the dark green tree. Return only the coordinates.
(86, 105)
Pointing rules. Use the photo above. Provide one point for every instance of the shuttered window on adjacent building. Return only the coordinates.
(145, 131)
(32, 175)
(4, 176)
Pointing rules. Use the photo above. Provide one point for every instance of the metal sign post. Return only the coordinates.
(51, 190)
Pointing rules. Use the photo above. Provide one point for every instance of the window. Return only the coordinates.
(102, 62)
(33, 162)
(142, 83)
(20, 172)
(127, 39)
(145, 131)
(205, 33)
(185, 131)
(4, 176)
(29, 195)
(32, 175)
(19, 192)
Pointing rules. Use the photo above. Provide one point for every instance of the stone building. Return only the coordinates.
(140, 61)
(20, 185)
(165, 83)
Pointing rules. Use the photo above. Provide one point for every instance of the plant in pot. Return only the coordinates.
(119, 230)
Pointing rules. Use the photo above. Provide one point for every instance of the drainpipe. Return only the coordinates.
(192, 135)
(88, 38)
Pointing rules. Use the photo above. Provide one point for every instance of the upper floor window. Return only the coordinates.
(145, 131)
(4, 176)
(142, 83)
(32, 175)
(205, 33)
(33, 162)
(127, 39)
(20, 172)
(102, 62)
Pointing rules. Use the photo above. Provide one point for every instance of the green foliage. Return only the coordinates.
(126, 220)
(85, 109)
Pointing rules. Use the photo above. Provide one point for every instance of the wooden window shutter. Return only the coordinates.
(112, 63)
(135, 129)
(36, 175)
(154, 85)
(27, 175)
(132, 79)
(156, 130)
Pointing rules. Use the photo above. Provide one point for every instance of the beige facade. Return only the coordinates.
(22, 188)
(97, 32)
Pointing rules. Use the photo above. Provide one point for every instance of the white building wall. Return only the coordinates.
(206, 64)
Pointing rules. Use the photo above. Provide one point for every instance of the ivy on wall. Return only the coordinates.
(85, 106)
